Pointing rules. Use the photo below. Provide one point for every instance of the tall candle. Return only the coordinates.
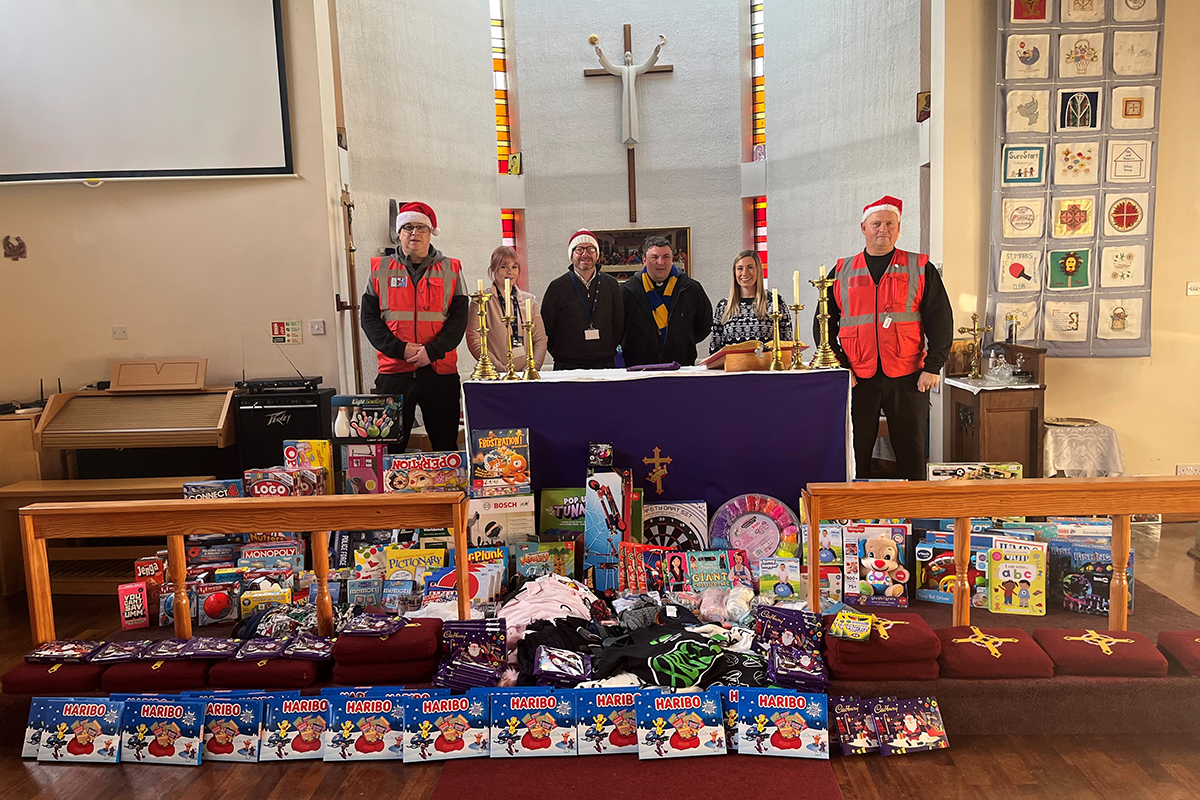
(776, 293)
(507, 297)
(479, 285)
(796, 287)
(822, 272)
(528, 310)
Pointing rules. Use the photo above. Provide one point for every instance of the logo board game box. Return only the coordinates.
(359, 418)
(533, 722)
(500, 520)
(443, 727)
(294, 728)
(607, 721)
(425, 472)
(162, 731)
(778, 722)
(678, 725)
(81, 729)
(500, 462)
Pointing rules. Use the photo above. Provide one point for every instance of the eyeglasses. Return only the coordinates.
(588, 249)
(414, 230)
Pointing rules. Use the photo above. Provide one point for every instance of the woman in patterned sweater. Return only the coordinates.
(742, 317)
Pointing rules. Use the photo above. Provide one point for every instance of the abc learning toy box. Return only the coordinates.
(425, 472)
(500, 462)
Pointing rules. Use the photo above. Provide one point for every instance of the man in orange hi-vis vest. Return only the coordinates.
(414, 312)
(891, 324)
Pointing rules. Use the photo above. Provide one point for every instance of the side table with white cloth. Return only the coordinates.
(1082, 449)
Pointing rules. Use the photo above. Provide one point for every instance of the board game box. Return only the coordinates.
(678, 725)
(412, 564)
(312, 454)
(500, 462)
(500, 520)
(213, 490)
(561, 509)
(778, 722)
(81, 729)
(162, 731)
(607, 721)
(425, 472)
(442, 727)
(533, 722)
(359, 418)
(535, 559)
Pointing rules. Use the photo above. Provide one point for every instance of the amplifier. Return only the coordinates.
(265, 420)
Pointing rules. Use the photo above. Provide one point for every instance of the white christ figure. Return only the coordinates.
(628, 74)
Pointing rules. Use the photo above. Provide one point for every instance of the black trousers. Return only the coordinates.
(907, 412)
(439, 399)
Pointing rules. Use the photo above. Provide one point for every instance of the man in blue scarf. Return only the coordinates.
(667, 312)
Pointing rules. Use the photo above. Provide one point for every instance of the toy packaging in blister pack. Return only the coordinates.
(533, 722)
(778, 722)
(876, 565)
(500, 462)
(679, 725)
(425, 472)
(607, 721)
(444, 727)
(162, 731)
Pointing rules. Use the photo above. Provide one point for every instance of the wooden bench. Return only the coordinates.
(84, 571)
(172, 520)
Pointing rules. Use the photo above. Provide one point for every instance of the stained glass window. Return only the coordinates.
(758, 112)
(500, 82)
(760, 231)
(508, 227)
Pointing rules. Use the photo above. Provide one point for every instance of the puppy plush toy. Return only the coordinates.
(883, 573)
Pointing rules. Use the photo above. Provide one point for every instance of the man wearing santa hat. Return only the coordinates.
(414, 312)
(582, 310)
(892, 325)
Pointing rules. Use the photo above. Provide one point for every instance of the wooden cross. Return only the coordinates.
(659, 463)
(629, 157)
(976, 333)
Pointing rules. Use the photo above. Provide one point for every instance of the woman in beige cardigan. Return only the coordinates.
(505, 264)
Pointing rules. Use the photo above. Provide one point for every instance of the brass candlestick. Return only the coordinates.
(776, 345)
(976, 333)
(510, 374)
(531, 373)
(797, 362)
(484, 369)
(824, 357)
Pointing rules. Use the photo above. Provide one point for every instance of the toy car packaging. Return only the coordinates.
(365, 728)
(533, 722)
(162, 731)
(359, 418)
(425, 472)
(443, 727)
(84, 729)
(500, 462)
(675, 725)
(294, 727)
(232, 727)
(876, 567)
(607, 721)
(778, 722)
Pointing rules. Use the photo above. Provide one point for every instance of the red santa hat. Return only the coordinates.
(885, 203)
(581, 237)
(417, 214)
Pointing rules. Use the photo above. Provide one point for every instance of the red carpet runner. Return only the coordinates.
(623, 776)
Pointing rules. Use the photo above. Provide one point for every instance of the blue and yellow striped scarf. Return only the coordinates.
(660, 305)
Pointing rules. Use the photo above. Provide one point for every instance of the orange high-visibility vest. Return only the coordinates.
(881, 323)
(415, 315)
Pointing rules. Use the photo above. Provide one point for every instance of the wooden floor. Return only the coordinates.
(1002, 767)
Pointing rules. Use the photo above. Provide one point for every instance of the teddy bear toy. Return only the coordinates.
(882, 573)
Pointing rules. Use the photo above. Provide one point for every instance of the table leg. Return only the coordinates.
(177, 566)
(812, 512)
(462, 570)
(962, 571)
(1118, 587)
(37, 582)
(320, 549)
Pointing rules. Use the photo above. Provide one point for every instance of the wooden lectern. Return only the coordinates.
(1001, 424)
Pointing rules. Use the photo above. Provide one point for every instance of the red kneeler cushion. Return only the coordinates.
(178, 675)
(924, 670)
(26, 678)
(419, 640)
(1012, 654)
(1082, 652)
(267, 673)
(402, 672)
(1183, 646)
(909, 638)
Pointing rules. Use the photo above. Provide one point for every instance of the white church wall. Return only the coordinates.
(841, 82)
(420, 121)
(688, 171)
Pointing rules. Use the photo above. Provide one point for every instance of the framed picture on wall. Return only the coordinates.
(621, 249)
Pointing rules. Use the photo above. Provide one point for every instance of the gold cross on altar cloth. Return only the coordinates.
(882, 626)
(1101, 640)
(978, 637)
(659, 471)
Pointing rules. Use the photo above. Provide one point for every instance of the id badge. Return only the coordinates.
(887, 322)
(591, 334)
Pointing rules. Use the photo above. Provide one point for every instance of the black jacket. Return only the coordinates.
(565, 319)
(689, 322)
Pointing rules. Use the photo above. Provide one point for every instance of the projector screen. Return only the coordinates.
(142, 89)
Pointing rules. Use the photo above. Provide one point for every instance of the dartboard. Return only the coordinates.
(665, 530)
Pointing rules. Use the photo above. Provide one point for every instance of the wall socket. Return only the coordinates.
(1187, 469)
(1193, 288)
(119, 332)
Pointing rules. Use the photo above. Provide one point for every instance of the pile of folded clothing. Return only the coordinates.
(899, 647)
(378, 649)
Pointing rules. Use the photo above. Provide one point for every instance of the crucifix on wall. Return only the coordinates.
(628, 73)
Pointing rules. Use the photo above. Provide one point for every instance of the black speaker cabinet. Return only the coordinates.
(266, 420)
